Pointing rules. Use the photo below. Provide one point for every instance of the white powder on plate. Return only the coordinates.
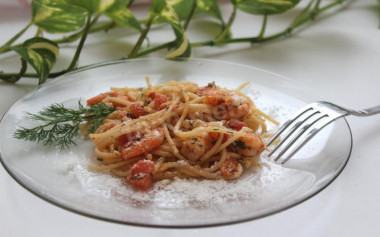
(179, 193)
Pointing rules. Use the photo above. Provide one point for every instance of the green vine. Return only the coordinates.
(76, 19)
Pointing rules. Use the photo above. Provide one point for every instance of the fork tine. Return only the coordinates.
(292, 130)
(310, 135)
(301, 144)
(322, 113)
(296, 138)
(287, 124)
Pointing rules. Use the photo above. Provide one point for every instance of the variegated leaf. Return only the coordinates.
(211, 7)
(93, 6)
(182, 48)
(120, 14)
(41, 54)
(57, 16)
(157, 7)
(265, 7)
(183, 8)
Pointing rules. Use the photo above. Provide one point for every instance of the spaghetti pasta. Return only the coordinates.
(178, 129)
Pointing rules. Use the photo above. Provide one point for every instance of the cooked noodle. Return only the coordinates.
(178, 130)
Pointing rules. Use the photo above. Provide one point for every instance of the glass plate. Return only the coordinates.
(62, 178)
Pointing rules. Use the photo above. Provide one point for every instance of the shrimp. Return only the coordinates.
(249, 145)
(231, 169)
(195, 147)
(148, 143)
(97, 99)
(228, 104)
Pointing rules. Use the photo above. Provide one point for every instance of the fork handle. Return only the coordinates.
(359, 112)
(366, 112)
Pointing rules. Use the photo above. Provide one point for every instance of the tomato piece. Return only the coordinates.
(137, 110)
(236, 124)
(160, 101)
(97, 99)
(226, 137)
(121, 140)
(141, 181)
(141, 176)
(152, 95)
(213, 135)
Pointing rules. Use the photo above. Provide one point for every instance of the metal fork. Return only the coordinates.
(306, 123)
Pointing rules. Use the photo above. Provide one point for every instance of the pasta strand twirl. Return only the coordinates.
(181, 130)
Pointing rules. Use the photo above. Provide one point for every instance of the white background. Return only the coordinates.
(337, 56)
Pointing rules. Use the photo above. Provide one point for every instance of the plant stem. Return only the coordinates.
(5, 47)
(9, 77)
(141, 39)
(12, 78)
(378, 10)
(316, 7)
(74, 62)
(191, 14)
(153, 49)
(73, 37)
(315, 11)
(228, 25)
(253, 40)
(38, 32)
(129, 4)
(302, 15)
(263, 27)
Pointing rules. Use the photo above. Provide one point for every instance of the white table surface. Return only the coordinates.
(337, 56)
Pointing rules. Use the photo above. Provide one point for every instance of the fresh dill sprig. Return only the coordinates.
(60, 125)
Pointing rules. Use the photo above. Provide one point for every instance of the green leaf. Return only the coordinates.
(41, 54)
(57, 16)
(120, 14)
(157, 6)
(181, 7)
(182, 46)
(211, 7)
(93, 6)
(265, 7)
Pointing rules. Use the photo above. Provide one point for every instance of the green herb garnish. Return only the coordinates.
(211, 84)
(239, 144)
(60, 125)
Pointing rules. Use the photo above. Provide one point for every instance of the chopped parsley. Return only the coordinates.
(211, 84)
(239, 144)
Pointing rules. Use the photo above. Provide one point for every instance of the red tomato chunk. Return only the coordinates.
(141, 176)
